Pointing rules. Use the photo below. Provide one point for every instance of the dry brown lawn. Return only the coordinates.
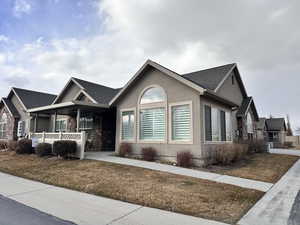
(262, 167)
(191, 196)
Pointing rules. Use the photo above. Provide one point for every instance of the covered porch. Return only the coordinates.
(96, 120)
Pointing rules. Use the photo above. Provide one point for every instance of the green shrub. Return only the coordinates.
(184, 159)
(24, 146)
(3, 145)
(64, 148)
(125, 150)
(43, 149)
(12, 145)
(149, 154)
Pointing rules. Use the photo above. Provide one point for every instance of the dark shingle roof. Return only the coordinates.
(209, 78)
(245, 105)
(100, 93)
(260, 125)
(34, 99)
(11, 107)
(275, 124)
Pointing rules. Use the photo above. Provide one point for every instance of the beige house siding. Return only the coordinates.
(70, 93)
(231, 91)
(176, 92)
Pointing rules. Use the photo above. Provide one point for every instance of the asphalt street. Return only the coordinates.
(14, 213)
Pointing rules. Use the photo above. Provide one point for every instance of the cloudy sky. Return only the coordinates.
(43, 43)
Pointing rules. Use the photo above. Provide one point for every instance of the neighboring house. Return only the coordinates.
(193, 112)
(261, 129)
(276, 131)
(84, 106)
(14, 113)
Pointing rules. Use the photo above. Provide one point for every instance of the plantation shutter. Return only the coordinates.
(181, 122)
(223, 125)
(152, 124)
(127, 125)
(208, 131)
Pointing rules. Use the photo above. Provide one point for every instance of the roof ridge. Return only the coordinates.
(93, 83)
(39, 92)
(196, 71)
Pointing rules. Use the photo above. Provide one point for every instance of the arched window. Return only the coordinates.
(152, 115)
(3, 126)
(153, 95)
(249, 124)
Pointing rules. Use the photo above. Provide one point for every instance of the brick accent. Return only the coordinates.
(12, 124)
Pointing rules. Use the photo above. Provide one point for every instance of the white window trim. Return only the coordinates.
(203, 130)
(85, 94)
(191, 140)
(83, 129)
(59, 120)
(152, 106)
(133, 140)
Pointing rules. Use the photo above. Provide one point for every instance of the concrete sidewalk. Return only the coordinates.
(86, 209)
(280, 205)
(285, 151)
(245, 183)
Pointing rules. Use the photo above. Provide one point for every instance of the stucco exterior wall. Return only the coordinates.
(207, 146)
(231, 91)
(69, 94)
(176, 92)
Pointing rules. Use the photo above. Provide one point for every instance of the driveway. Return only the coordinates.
(86, 209)
(280, 205)
(12, 212)
(285, 151)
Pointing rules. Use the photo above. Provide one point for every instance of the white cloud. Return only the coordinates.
(21, 7)
(4, 38)
(181, 36)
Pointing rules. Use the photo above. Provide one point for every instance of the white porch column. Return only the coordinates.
(78, 120)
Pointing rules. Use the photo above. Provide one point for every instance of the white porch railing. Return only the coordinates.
(50, 138)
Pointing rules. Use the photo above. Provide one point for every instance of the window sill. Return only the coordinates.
(217, 142)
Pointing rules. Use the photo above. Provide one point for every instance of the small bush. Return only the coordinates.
(230, 153)
(12, 146)
(258, 146)
(43, 149)
(3, 145)
(149, 154)
(125, 150)
(64, 148)
(288, 144)
(24, 146)
(184, 159)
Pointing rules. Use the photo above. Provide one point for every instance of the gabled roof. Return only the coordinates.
(210, 78)
(99, 94)
(11, 108)
(32, 99)
(245, 106)
(260, 125)
(275, 124)
(164, 70)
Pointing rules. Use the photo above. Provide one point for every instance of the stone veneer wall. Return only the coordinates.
(12, 124)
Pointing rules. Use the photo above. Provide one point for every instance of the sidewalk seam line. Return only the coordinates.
(27, 192)
(125, 215)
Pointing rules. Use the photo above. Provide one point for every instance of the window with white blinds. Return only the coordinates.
(181, 122)
(128, 121)
(152, 124)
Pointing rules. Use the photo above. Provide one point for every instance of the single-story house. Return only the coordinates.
(193, 112)
(157, 108)
(14, 115)
(275, 130)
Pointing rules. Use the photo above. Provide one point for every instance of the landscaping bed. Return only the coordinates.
(261, 166)
(181, 194)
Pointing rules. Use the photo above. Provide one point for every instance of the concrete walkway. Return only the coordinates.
(280, 205)
(245, 183)
(285, 151)
(86, 209)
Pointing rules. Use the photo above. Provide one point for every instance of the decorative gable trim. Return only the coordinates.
(5, 105)
(20, 100)
(80, 86)
(165, 71)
